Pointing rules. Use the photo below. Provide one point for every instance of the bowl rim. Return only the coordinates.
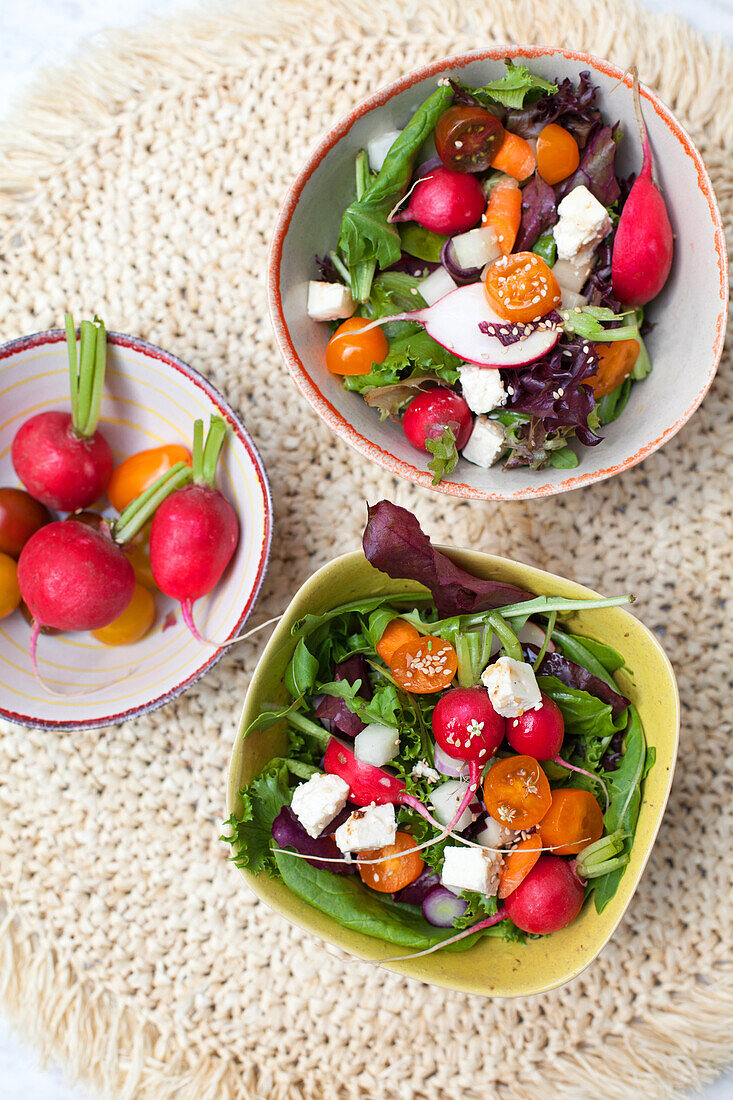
(375, 954)
(336, 420)
(135, 343)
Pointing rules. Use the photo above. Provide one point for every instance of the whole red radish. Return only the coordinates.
(445, 202)
(74, 576)
(549, 898)
(438, 421)
(466, 726)
(367, 783)
(195, 531)
(643, 245)
(61, 458)
(539, 732)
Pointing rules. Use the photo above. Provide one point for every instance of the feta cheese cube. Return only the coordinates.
(376, 744)
(436, 286)
(317, 802)
(583, 222)
(482, 388)
(471, 869)
(378, 148)
(329, 301)
(495, 835)
(422, 770)
(475, 248)
(512, 687)
(486, 443)
(368, 827)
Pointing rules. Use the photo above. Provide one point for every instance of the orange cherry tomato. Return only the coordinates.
(516, 792)
(352, 351)
(504, 214)
(515, 157)
(425, 665)
(393, 874)
(615, 364)
(134, 622)
(140, 470)
(518, 863)
(9, 591)
(466, 138)
(573, 821)
(396, 633)
(557, 153)
(521, 287)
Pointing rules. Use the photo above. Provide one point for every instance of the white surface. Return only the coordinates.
(46, 32)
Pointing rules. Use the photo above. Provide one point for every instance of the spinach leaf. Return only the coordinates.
(300, 675)
(611, 405)
(564, 459)
(512, 88)
(610, 658)
(546, 247)
(587, 719)
(365, 232)
(351, 905)
(251, 830)
(625, 799)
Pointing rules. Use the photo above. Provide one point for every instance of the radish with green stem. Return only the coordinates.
(75, 577)
(63, 460)
(644, 244)
(195, 531)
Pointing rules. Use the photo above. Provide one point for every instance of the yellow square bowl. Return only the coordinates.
(491, 967)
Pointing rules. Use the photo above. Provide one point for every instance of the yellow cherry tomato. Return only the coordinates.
(139, 559)
(353, 351)
(9, 591)
(139, 471)
(134, 622)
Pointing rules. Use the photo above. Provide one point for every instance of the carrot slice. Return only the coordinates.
(504, 214)
(519, 863)
(515, 157)
(396, 633)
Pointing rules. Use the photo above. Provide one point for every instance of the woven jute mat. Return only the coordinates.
(142, 182)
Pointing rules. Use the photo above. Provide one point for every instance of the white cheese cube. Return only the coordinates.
(368, 827)
(496, 835)
(378, 148)
(376, 744)
(573, 274)
(471, 869)
(446, 799)
(482, 387)
(317, 802)
(512, 687)
(486, 442)
(436, 286)
(422, 770)
(475, 248)
(329, 301)
(583, 222)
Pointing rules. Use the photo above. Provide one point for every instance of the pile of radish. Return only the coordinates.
(91, 570)
(524, 276)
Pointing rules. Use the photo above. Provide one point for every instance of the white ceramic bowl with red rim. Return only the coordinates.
(150, 398)
(689, 315)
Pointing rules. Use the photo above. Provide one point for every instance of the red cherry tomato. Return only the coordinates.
(20, 517)
(466, 726)
(467, 138)
(353, 351)
(431, 412)
(521, 287)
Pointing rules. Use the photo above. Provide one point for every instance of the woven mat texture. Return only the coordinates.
(143, 182)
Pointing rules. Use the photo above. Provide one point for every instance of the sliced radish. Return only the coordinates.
(366, 783)
(376, 744)
(436, 286)
(446, 765)
(446, 799)
(532, 634)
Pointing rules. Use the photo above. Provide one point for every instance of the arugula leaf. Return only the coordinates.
(512, 88)
(251, 830)
(300, 675)
(625, 799)
(444, 452)
(421, 242)
(353, 906)
(365, 231)
(309, 623)
(585, 322)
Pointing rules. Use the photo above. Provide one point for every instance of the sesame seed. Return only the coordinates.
(413, 290)
(458, 144)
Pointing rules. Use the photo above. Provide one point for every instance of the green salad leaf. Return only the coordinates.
(611, 405)
(511, 89)
(251, 830)
(546, 247)
(445, 454)
(420, 242)
(366, 234)
(625, 799)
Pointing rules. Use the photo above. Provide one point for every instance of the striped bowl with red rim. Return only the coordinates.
(150, 398)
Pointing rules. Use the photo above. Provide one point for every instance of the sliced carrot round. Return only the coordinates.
(518, 863)
(396, 634)
(515, 157)
(395, 873)
(424, 666)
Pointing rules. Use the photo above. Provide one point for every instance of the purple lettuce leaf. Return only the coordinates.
(289, 833)
(551, 389)
(539, 212)
(509, 332)
(572, 106)
(575, 676)
(412, 265)
(333, 712)
(395, 543)
(596, 169)
(327, 270)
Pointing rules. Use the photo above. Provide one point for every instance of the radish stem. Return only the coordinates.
(97, 383)
(212, 450)
(87, 363)
(197, 453)
(87, 340)
(139, 511)
(488, 923)
(73, 359)
(581, 771)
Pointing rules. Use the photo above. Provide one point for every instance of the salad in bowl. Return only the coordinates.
(488, 284)
(453, 761)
